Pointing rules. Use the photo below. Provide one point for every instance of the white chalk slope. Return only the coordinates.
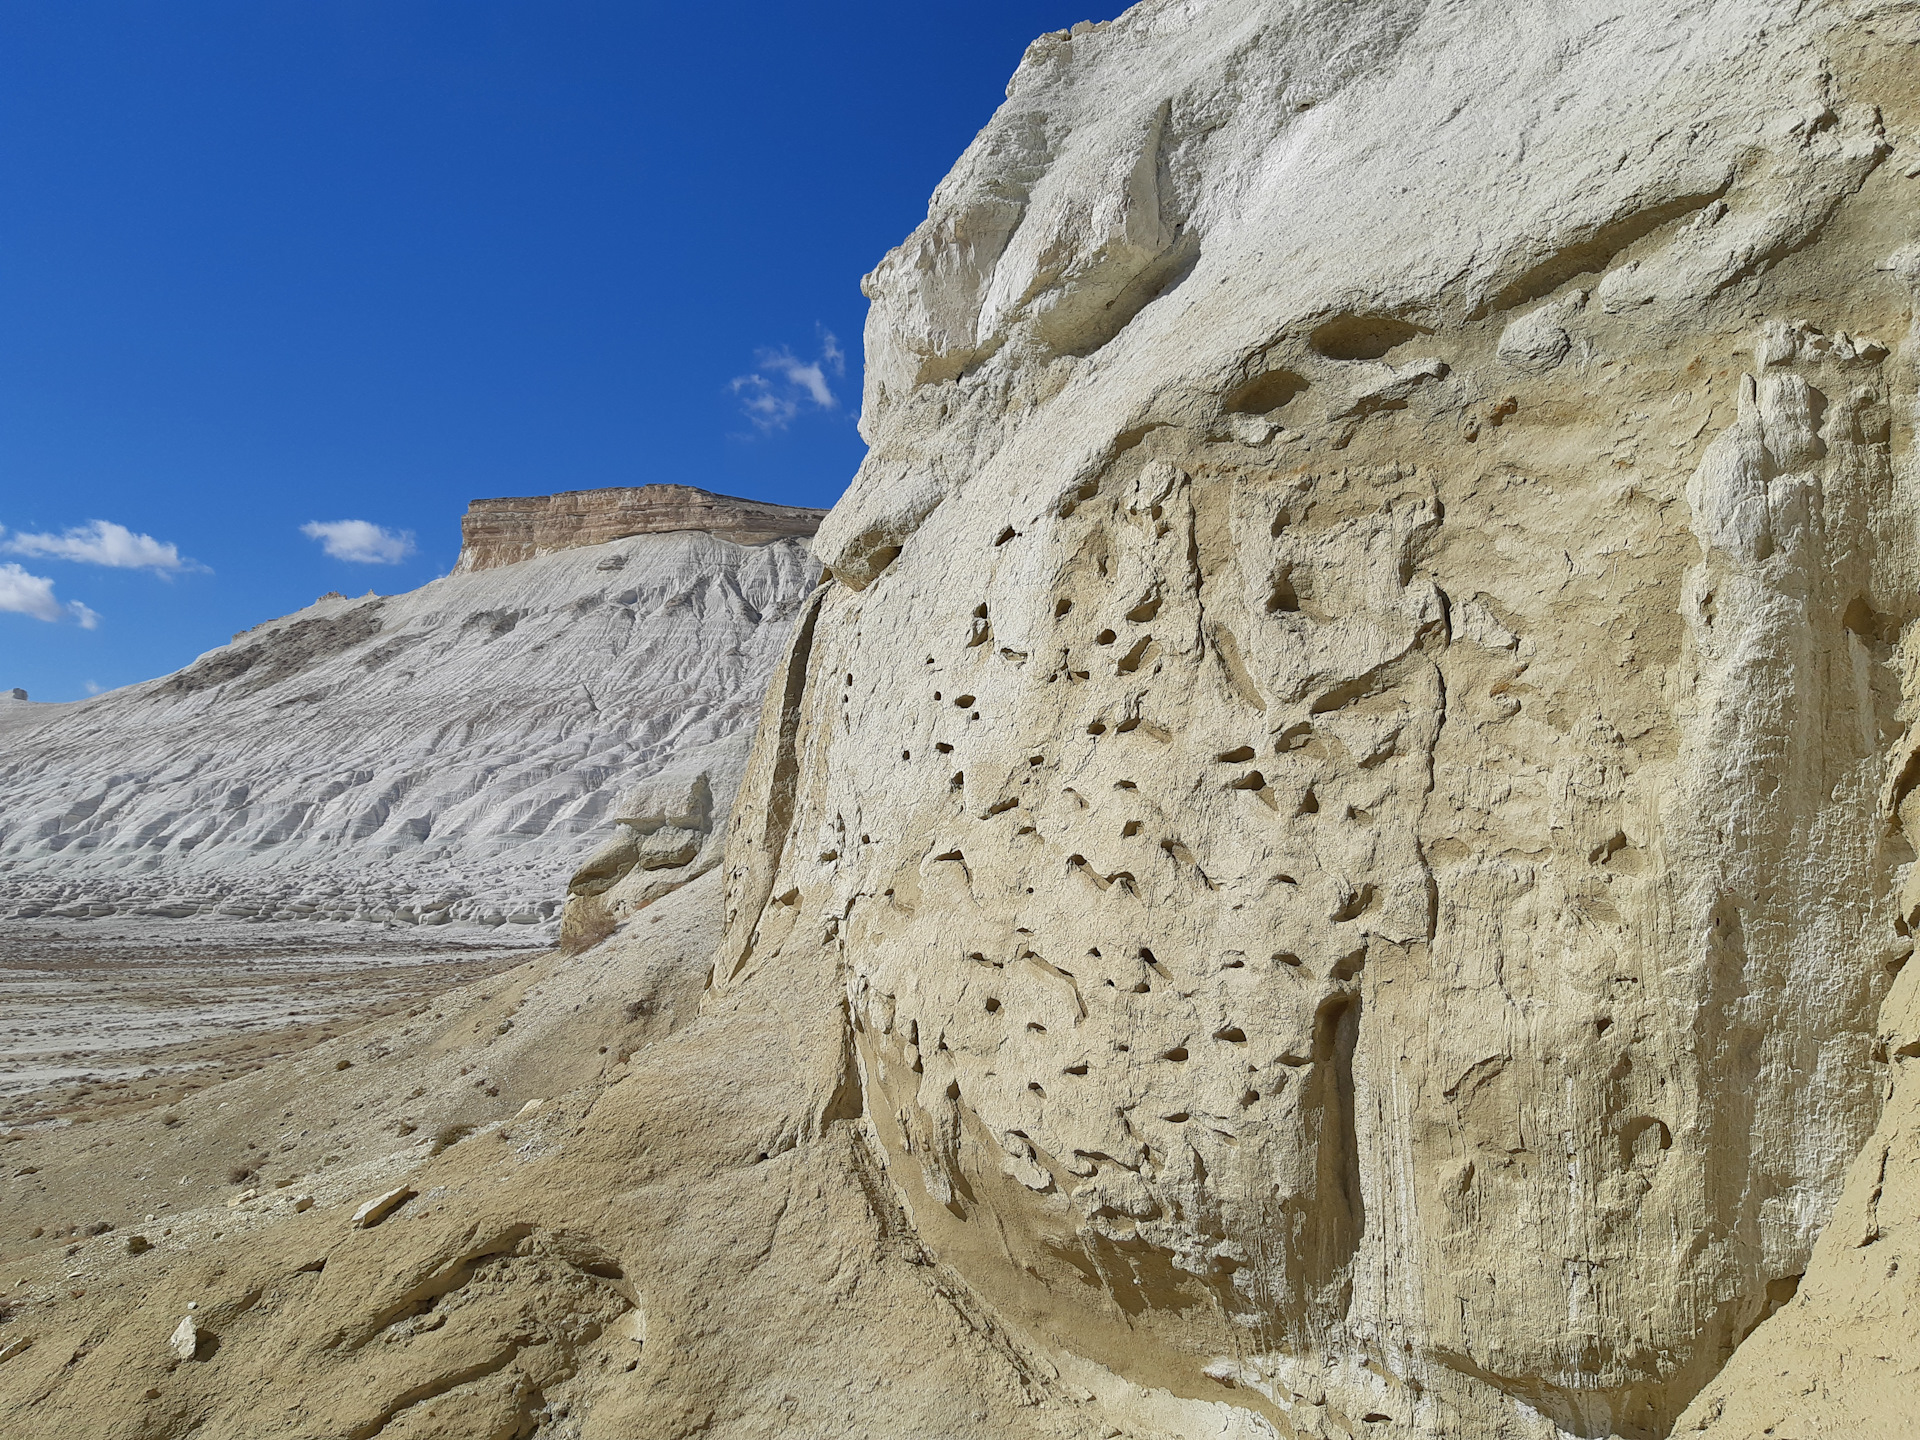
(445, 755)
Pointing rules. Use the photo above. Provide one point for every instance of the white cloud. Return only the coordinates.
(25, 594)
(101, 542)
(783, 383)
(92, 687)
(360, 541)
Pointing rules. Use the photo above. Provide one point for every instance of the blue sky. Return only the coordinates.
(271, 265)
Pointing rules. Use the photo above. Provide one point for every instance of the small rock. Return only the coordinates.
(529, 1108)
(381, 1206)
(138, 1245)
(12, 1348)
(302, 1204)
(242, 1198)
(185, 1341)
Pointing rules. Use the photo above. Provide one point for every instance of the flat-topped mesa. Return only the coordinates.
(504, 531)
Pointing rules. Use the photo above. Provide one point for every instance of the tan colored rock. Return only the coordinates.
(1840, 1351)
(1346, 774)
(507, 531)
(1329, 865)
(373, 1211)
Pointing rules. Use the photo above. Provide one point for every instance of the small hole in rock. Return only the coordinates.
(1264, 392)
(1362, 337)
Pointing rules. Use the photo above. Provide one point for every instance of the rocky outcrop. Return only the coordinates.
(507, 531)
(1336, 859)
(452, 754)
(1374, 888)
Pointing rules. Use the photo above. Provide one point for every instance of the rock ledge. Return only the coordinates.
(505, 531)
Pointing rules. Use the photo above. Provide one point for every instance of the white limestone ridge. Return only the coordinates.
(450, 754)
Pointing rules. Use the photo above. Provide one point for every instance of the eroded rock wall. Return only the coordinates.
(1351, 766)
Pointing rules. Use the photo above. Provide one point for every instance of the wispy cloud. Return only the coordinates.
(782, 384)
(22, 593)
(101, 542)
(360, 541)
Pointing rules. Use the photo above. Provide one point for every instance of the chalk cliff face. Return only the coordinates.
(449, 754)
(1334, 859)
(1375, 882)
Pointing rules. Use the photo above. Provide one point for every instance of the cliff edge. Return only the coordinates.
(507, 531)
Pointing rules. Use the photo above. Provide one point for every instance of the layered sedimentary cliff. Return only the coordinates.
(504, 532)
(1334, 860)
(449, 754)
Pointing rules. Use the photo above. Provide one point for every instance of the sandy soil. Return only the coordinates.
(114, 1016)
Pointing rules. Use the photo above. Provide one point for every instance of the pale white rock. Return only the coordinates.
(448, 755)
(1539, 340)
(185, 1340)
(381, 1206)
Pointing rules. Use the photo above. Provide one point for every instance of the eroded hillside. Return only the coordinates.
(450, 754)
